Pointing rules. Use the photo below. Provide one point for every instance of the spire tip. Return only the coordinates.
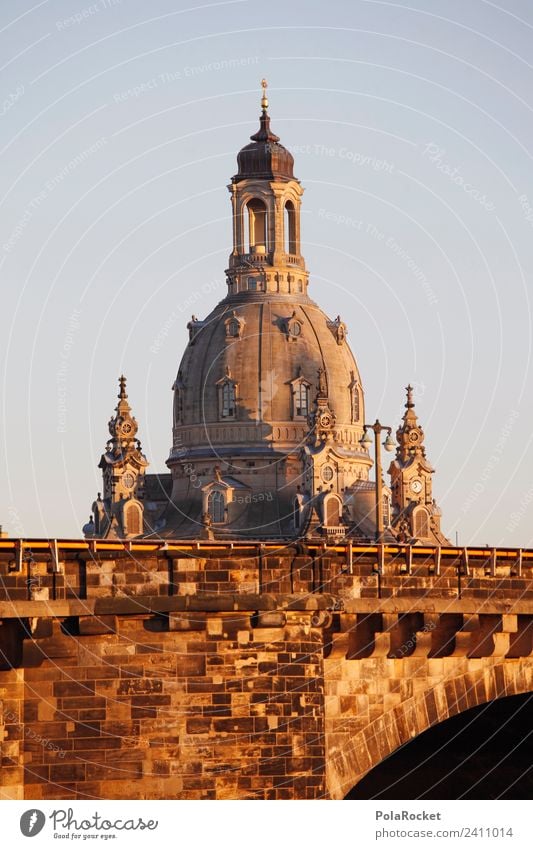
(264, 98)
(122, 383)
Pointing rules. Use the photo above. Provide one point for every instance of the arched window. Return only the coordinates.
(257, 225)
(421, 523)
(296, 513)
(133, 519)
(290, 228)
(233, 328)
(227, 400)
(216, 506)
(333, 513)
(356, 402)
(178, 405)
(301, 400)
(386, 510)
(234, 325)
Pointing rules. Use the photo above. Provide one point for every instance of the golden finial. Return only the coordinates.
(264, 99)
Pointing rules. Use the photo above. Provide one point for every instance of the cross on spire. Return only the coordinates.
(122, 393)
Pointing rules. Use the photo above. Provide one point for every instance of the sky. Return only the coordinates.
(410, 124)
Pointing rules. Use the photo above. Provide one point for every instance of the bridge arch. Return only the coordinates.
(348, 760)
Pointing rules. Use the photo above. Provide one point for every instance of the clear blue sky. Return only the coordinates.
(411, 128)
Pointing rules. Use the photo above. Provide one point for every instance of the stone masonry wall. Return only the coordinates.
(214, 709)
(243, 674)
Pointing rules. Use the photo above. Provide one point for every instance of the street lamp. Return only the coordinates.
(389, 445)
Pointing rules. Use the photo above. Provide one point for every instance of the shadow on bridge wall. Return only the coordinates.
(411, 696)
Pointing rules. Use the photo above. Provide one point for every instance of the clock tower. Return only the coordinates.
(416, 516)
(120, 512)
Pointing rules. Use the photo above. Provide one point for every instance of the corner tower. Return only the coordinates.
(120, 513)
(416, 516)
(268, 401)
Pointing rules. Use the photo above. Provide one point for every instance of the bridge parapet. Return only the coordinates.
(74, 569)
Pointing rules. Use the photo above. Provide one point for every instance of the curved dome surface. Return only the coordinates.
(265, 158)
(280, 342)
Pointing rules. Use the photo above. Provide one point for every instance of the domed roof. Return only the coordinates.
(265, 346)
(264, 158)
(268, 403)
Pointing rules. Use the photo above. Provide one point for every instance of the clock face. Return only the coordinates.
(416, 486)
(128, 480)
(413, 436)
(325, 420)
(126, 428)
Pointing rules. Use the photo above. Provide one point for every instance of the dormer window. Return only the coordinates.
(300, 388)
(234, 326)
(216, 506)
(227, 404)
(293, 327)
(301, 400)
(228, 401)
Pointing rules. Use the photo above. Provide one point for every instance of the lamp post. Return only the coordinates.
(389, 445)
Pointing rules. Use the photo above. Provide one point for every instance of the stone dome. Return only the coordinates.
(268, 412)
(268, 404)
(245, 412)
(263, 344)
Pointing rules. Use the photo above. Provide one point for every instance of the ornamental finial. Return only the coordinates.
(410, 403)
(122, 381)
(264, 99)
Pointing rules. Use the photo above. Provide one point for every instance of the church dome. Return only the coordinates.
(268, 403)
(266, 384)
(265, 348)
(268, 413)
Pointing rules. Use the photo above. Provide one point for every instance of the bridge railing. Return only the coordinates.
(32, 569)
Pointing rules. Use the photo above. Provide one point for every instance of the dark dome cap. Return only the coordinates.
(264, 157)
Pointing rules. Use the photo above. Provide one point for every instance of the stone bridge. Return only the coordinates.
(145, 670)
